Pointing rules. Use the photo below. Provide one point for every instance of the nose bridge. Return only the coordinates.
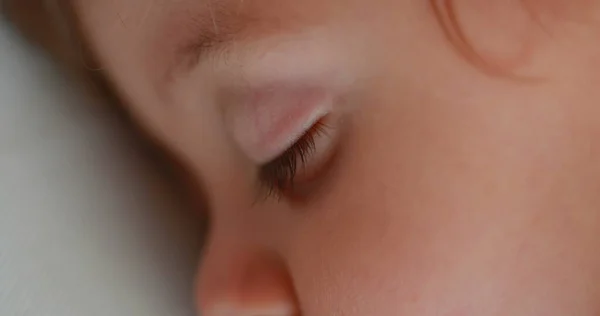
(244, 220)
(240, 276)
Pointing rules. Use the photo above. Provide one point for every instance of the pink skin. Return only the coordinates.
(267, 122)
(456, 189)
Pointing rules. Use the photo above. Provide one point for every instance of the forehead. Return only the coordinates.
(137, 42)
(174, 20)
(156, 32)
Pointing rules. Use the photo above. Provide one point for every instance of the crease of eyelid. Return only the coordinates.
(445, 13)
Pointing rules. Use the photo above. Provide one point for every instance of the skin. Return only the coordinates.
(466, 174)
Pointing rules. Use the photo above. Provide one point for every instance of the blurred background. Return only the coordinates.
(92, 222)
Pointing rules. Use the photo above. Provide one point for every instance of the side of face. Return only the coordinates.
(458, 170)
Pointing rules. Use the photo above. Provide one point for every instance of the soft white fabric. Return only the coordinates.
(87, 224)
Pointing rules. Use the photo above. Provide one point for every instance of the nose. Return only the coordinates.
(235, 282)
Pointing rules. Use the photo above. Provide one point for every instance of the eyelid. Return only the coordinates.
(270, 120)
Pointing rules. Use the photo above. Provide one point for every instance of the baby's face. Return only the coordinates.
(376, 157)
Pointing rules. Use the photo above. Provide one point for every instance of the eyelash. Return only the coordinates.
(278, 176)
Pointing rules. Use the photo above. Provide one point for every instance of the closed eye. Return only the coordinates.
(280, 175)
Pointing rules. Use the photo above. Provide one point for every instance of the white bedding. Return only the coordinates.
(87, 224)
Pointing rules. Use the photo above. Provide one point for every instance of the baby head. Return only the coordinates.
(375, 157)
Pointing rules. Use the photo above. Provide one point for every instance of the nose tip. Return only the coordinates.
(255, 285)
(238, 310)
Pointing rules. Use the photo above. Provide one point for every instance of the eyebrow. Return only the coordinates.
(215, 32)
(215, 29)
(219, 28)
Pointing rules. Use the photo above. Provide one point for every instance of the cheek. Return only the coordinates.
(435, 212)
(371, 247)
